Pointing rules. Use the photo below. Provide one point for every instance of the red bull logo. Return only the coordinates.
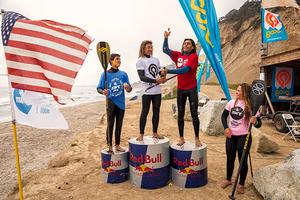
(108, 170)
(112, 163)
(188, 162)
(188, 171)
(144, 169)
(146, 158)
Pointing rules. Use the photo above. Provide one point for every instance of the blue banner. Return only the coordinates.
(272, 28)
(282, 83)
(200, 69)
(208, 67)
(202, 17)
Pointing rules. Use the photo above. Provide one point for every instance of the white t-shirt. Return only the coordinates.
(151, 66)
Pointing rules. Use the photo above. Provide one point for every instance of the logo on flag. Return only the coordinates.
(34, 109)
(272, 28)
(282, 83)
(43, 56)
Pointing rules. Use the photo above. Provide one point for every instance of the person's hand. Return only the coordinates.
(126, 86)
(105, 92)
(253, 120)
(227, 132)
(160, 80)
(164, 80)
(167, 33)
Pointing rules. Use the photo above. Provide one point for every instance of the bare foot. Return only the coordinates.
(240, 189)
(198, 143)
(225, 184)
(119, 148)
(181, 142)
(156, 136)
(110, 150)
(140, 138)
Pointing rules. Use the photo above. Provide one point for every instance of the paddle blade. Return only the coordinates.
(257, 96)
(103, 52)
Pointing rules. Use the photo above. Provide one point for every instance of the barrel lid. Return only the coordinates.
(104, 151)
(188, 146)
(148, 140)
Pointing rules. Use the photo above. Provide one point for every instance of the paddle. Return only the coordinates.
(103, 52)
(256, 99)
(156, 84)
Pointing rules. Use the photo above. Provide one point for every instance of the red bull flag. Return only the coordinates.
(272, 28)
(202, 17)
(279, 3)
(43, 56)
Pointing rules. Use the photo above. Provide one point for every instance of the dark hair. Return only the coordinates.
(142, 47)
(112, 57)
(193, 44)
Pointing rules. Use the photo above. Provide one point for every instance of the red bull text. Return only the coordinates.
(146, 158)
(188, 162)
(112, 163)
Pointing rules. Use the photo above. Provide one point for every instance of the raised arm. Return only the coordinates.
(166, 48)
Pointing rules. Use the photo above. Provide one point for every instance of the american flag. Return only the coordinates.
(43, 56)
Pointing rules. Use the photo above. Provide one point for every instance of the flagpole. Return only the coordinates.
(15, 134)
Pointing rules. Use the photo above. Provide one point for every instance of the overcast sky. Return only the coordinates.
(122, 23)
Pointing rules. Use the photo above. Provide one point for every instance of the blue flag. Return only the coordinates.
(200, 69)
(208, 67)
(202, 17)
(272, 28)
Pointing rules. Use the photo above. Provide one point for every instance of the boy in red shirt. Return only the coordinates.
(186, 66)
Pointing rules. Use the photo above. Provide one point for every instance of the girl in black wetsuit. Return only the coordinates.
(148, 69)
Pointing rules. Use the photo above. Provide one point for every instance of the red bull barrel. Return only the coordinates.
(188, 165)
(149, 162)
(114, 167)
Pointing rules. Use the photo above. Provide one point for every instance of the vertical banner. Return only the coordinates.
(203, 19)
(208, 69)
(200, 69)
(282, 83)
(272, 28)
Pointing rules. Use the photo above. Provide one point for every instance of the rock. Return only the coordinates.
(280, 181)
(210, 117)
(203, 99)
(187, 114)
(263, 143)
(168, 92)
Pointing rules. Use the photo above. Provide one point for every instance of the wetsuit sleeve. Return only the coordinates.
(166, 48)
(224, 117)
(182, 70)
(145, 78)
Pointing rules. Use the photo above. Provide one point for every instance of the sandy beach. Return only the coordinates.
(38, 147)
(66, 164)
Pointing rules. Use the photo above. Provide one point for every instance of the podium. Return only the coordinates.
(114, 167)
(189, 165)
(149, 162)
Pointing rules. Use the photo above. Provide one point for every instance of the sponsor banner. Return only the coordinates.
(282, 83)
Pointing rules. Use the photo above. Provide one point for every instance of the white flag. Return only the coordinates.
(279, 3)
(34, 109)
